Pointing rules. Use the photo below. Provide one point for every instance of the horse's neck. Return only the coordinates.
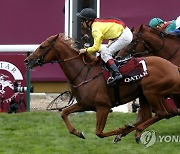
(162, 43)
(167, 48)
(76, 69)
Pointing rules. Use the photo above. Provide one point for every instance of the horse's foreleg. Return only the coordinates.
(146, 124)
(101, 118)
(160, 111)
(153, 120)
(142, 117)
(74, 108)
(144, 113)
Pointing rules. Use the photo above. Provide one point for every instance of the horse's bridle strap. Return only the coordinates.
(68, 59)
(86, 81)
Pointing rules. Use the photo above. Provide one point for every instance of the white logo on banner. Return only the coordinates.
(6, 82)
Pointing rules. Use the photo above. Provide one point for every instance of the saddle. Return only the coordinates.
(132, 69)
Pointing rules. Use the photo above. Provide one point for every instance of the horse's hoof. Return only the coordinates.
(111, 110)
(138, 139)
(128, 125)
(178, 112)
(117, 138)
(82, 135)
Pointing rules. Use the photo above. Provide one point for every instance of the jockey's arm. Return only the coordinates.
(98, 38)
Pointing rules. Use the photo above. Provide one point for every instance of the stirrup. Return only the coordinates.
(110, 81)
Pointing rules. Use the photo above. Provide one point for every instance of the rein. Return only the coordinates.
(173, 54)
(40, 61)
(86, 81)
(152, 51)
(85, 63)
(68, 59)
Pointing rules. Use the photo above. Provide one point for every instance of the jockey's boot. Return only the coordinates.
(116, 75)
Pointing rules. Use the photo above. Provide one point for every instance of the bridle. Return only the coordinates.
(149, 50)
(40, 62)
(40, 59)
(139, 38)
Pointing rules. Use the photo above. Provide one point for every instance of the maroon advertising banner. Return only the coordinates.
(12, 83)
(137, 12)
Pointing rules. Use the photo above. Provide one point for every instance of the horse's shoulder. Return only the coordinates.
(173, 36)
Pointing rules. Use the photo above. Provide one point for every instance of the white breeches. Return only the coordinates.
(122, 41)
(178, 22)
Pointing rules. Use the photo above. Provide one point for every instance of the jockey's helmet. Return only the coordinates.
(87, 13)
(155, 21)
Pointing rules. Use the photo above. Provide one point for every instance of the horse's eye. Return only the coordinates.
(41, 47)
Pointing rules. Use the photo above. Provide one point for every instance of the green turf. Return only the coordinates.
(46, 133)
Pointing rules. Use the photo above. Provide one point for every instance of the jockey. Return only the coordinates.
(170, 27)
(177, 30)
(106, 29)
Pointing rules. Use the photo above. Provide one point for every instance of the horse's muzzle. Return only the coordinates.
(29, 64)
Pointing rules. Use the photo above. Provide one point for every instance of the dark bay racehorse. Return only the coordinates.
(91, 91)
(149, 41)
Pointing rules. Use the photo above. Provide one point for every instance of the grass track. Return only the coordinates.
(45, 133)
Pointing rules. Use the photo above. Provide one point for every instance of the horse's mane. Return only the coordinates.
(67, 40)
(71, 43)
(159, 32)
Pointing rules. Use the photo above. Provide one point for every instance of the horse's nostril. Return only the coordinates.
(39, 61)
(25, 61)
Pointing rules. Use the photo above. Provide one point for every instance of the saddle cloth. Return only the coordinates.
(133, 70)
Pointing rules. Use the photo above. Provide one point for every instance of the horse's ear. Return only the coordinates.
(132, 29)
(57, 36)
(141, 26)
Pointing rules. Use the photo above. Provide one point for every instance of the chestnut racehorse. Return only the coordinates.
(89, 87)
